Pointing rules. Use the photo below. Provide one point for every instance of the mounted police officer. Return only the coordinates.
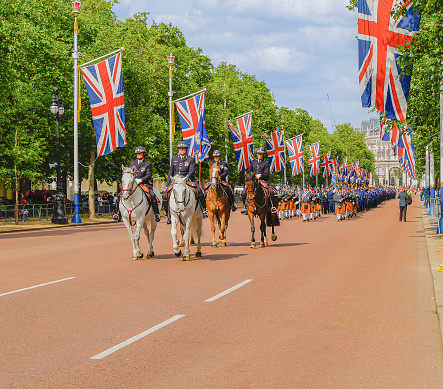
(184, 165)
(224, 171)
(143, 177)
(260, 167)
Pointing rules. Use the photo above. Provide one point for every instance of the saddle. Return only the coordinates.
(191, 185)
(146, 191)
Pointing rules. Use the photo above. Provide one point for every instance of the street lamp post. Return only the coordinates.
(226, 126)
(170, 94)
(59, 216)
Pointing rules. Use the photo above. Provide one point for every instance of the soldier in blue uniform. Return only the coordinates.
(260, 167)
(224, 171)
(184, 165)
(143, 176)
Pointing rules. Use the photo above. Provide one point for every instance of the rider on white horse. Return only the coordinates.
(184, 165)
(143, 177)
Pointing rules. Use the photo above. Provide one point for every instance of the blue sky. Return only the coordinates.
(302, 49)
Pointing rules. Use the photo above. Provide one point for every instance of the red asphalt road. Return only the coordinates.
(330, 305)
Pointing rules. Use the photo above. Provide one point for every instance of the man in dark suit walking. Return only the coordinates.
(403, 198)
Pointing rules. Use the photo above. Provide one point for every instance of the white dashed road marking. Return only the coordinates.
(36, 286)
(228, 291)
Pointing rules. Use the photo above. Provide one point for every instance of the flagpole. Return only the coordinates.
(440, 222)
(170, 94)
(431, 182)
(103, 56)
(226, 126)
(75, 55)
(428, 189)
(192, 94)
(247, 113)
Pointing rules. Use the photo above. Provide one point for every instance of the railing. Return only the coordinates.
(39, 212)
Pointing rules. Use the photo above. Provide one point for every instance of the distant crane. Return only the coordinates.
(331, 115)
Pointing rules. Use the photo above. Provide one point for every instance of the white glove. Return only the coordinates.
(258, 175)
(138, 181)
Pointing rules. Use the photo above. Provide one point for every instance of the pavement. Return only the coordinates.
(434, 245)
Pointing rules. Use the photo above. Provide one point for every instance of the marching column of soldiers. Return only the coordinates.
(308, 203)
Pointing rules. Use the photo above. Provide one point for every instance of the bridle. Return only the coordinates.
(131, 191)
(216, 185)
(185, 202)
(249, 199)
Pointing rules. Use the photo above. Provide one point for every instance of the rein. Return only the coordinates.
(184, 202)
(216, 186)
(251, 201)
(131, 192)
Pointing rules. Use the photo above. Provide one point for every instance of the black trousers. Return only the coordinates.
(403, 212)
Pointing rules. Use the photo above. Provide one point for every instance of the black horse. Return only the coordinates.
(258, 203)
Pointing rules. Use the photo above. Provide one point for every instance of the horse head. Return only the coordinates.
(251, 182)
(179, 188)
(128, 181)
(214, 172)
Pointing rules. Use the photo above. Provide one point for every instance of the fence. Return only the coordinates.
(39, 212)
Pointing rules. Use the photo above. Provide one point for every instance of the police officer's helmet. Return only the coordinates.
(140, 149)
(260, 150)
(182, 144)
(216, 153)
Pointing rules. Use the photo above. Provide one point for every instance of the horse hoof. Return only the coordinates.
(198, 254)
(148, 256)
(262, 244)
(152, 254)
(222, 243)
(214, 245)
(178, 254)
(266, 244)
(186, 257)
(137, 257)
(274, 237)
(252, 246)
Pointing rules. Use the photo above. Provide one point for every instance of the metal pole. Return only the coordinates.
(428, 189)
(431, 182)
(170, 94)
(226, 125)
(75, 55)
(440, 222)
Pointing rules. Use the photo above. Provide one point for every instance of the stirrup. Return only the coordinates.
(244, 211)
(157, 217)
(233, 207)
(205, 214)
(273, 210)
(168, 220)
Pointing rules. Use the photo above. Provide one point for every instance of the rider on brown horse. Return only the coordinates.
(224, 171)
(260, 167)
(143, 177)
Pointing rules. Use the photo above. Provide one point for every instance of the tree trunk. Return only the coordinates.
(91, 184)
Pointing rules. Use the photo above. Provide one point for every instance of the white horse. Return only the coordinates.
(136, 211)
(184, 209)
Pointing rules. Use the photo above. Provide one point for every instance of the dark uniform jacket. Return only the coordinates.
(260, 167)
(305, 196)
(185, 166)
(143, 171)
(224, 170)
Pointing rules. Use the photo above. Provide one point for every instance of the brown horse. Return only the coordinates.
(258, 203)
(217, 204)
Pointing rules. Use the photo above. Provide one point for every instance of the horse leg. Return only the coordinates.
(199, 225)
(182, 242)
(177, 250)
(187, 228)
(131, 237)
(251, 219)
(222, 228)
(148, 236)
(211, 218)
(264, 241)
(138, 252)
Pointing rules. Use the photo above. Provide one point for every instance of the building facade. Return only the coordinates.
(387, 168)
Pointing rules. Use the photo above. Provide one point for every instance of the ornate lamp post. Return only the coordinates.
(170, 94)
(59, 216)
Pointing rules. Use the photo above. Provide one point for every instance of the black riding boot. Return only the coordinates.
(244, 211)
(166, 208)
(231, 200)
(202, 201)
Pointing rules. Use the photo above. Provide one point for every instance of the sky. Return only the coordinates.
(304, 50)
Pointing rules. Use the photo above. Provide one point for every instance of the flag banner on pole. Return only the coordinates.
(314, 159)
(276, 151)
(295, 153)
(191, 112)
(379, 36)
(326, 165)
(243, 142)
(104, 83)
(407, 150)
(357, 168)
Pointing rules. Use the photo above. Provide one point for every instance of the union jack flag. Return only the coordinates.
(406, 152)
(104, 83)
(357, 167)
(314, 159)
(276, 151)
(379, 36)
(242, 139)
(326, 165)
(295, 154)
(192, 120)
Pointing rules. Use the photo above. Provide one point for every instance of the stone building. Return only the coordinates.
(387, 168)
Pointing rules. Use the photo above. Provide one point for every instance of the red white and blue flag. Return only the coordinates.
(192, 120)
(104, 83)
(295, 154)
(357, 168)
(326, 165)
(243, 142)
(314, 159)
(379, 36)
(276, 151)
